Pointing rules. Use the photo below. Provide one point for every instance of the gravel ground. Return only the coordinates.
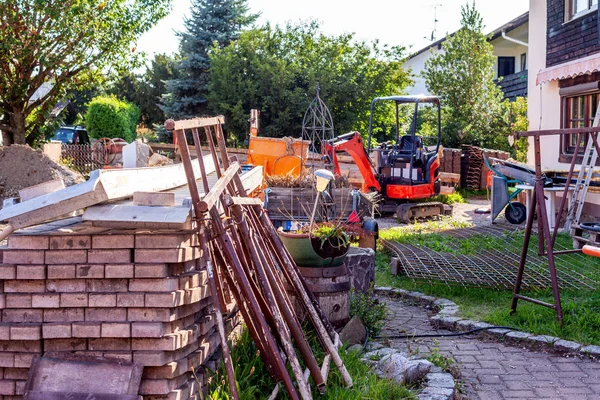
(460, 212)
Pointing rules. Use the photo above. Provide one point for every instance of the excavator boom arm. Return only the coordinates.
(352, 143)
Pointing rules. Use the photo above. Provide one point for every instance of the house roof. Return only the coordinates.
(509, 26)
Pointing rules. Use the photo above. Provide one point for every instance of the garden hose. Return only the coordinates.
(435, 335)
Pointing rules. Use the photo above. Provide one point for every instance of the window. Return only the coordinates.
(506, 66)
(523, 61)
(577, 8)
(578, 112)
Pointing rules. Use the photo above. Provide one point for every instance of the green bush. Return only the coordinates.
(110, 117)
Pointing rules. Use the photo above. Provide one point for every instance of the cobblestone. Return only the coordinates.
(492, 367)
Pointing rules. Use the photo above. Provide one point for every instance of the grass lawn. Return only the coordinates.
(581, 308)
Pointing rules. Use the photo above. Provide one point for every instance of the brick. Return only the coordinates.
(65, 345)
(66, 257)
(113, 242)
(116, 330)
(64, 315)
(16, 374)
(7, 387)
(105, 314)
(106, 285)
(13, 315)
(23, 360)
(70, 242)
(153, 285)
(150, 314)
(73, 299)
(86, 329)
(13, 300)
(165, 241)
(5, 331)
(31, 272)
(172, 299)
(48, 300)
(23, 257)
(121, 355)
(7, 360)
(56, 331)
(65, 271)
(118, 271)
(2, 301)
(119, 256)
(166, 255)
(148, 329)
(102, 300)
(26, 332)
(8, 271)
(193, 280)
(116, 344)
(28, 242)
(66, 285)
(24, 286)
(90, 271)
(130, 299)
(151, 271)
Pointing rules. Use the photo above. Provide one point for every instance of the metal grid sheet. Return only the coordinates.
(489, 267)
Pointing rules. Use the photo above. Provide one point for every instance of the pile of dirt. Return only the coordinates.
(21, 167)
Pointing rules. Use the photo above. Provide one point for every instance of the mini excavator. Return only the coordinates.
(405, 171)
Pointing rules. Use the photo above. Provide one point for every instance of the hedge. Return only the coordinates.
(110, 117)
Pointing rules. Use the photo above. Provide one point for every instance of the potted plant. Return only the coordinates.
(324, 246)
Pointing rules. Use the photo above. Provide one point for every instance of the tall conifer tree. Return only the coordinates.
(212, 23)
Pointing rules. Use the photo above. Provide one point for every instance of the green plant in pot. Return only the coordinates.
(329, 240)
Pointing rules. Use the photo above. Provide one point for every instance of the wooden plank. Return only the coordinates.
(253, 179)
(448, 177)
(166, 199)
(103, 186)
(131, 216)
(216, 191)
(91, 377)
(43, 188)
(198, 122)
(247, 201)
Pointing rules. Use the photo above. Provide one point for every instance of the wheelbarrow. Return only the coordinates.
(516, 212)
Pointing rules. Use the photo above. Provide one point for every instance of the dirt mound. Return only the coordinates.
(21, 167)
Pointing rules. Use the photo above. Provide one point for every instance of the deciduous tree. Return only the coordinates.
(51, 47)
(275, 69)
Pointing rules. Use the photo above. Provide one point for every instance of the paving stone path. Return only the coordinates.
(490, 368)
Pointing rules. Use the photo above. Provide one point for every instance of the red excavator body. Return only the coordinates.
(406, 170)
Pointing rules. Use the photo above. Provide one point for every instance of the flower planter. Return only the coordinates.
(307, 251)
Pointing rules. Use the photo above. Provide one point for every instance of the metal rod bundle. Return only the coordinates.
(246, 257)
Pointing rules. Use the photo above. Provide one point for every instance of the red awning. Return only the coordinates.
(571, 69)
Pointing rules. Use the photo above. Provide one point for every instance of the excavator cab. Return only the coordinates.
(407, 169)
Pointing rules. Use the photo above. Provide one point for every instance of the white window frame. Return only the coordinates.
(570, 5)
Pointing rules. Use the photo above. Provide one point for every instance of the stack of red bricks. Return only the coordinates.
(139, 296)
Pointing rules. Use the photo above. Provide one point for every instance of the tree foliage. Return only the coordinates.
(145, 90)
(49, 48)
(275, 69)
(212, 23)
(463, 76)
(110, 117)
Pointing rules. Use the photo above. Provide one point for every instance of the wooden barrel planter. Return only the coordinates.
(331, 287)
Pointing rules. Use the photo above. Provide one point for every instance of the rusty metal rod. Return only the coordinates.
(316, 317)
(280, 327)
(189, 172)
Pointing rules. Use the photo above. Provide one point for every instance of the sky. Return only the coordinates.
(393, 22)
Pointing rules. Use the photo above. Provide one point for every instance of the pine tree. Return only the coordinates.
(212, 23)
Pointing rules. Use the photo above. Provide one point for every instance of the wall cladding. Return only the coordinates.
(570, 41)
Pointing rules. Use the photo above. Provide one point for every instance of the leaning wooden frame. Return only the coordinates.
(245, 255)
(546, 237)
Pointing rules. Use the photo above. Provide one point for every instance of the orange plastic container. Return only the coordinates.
(278, 156)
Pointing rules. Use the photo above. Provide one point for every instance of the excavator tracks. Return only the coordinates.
(408, 212)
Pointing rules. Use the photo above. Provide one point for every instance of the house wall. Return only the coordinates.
(417, 64)
(571, 40)
(506, 48)
(544, 99)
